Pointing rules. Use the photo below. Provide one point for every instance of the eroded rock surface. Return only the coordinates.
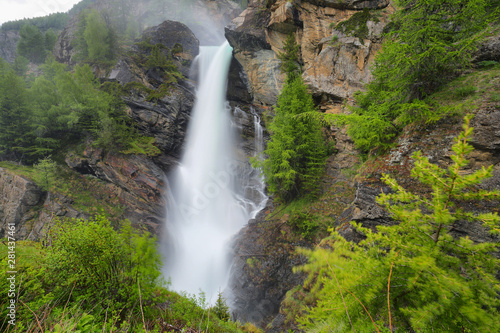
(31, 210)
(8, 44)
(336, 63)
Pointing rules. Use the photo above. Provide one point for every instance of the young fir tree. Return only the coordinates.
(415, 276)
(297, 151)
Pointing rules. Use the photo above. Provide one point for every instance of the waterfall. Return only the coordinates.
(212, 193)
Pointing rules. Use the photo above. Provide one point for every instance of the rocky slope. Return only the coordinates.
(335, 62)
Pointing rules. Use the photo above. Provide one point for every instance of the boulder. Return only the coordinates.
(18, 195)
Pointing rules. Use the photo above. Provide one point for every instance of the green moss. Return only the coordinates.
(356, 24)
(143, 146)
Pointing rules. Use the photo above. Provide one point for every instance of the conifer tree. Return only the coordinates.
(15, 116)
(31, 44)
(428, 44)
(414, 276)
(297, 151)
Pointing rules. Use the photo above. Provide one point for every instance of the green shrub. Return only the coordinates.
(305, 223)
(464, 91)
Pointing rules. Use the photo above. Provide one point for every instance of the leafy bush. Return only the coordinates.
(414, 276)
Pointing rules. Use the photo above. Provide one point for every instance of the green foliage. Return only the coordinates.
(20, 65)
(102, 265)
(297, 151)
(305, 223)
(414, 276)
(15, 115)
(220, 309)
(429, 43)
(95, 38)
(31, 44)
(290, 58)
(46, 172)
(464, 91)
(144, 146)
(99, 37)
(50, 40)
(356, 24)
(55, 21)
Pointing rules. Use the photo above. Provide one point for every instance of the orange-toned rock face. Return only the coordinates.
(335, 63)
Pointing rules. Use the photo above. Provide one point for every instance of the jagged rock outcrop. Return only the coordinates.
(64, 50)
(18, 196)
(165, 118)
(31, 210)
(135, 180)
(335, 62)
(262, 270)
(8, 44)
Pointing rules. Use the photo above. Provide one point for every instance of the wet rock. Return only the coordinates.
(262, 271)
(238, 88)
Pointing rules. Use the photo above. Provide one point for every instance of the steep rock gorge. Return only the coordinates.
(338, 43)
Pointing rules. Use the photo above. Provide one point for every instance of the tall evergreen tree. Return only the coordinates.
(297, 151)
(31, 44)
(15, 116)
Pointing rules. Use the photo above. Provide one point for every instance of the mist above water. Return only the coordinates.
(212, 193)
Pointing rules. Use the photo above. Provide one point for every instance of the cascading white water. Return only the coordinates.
(207, 199)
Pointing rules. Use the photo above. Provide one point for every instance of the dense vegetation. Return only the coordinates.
(414, 276)
(429, 43)
(91, 276)
(35, 45)
(96, 40)
(41, 115)
(55, 21)
(297, 151)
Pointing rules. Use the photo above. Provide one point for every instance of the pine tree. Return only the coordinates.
(15, 115)
(414, 276)
(31, 44)
(297, 151)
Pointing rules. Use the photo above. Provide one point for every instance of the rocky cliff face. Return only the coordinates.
(8, 44)
(31, 210)
(335, 59)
